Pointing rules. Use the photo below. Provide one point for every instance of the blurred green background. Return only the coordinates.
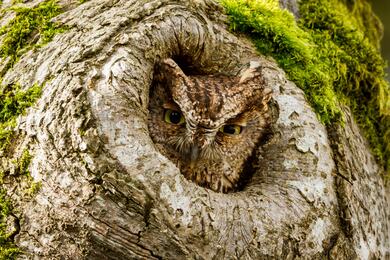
(382, 9)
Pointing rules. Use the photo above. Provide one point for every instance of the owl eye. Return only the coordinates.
(173, 117)
(231, 129)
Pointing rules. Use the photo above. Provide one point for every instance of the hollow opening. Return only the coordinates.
(187, 64)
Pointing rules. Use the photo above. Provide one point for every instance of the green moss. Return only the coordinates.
(21, 174)
(329, 53)
(13, 102)
(35, 187)
(7, 248)
(23, 162)
(81, 132)
(364, 18)
(17, 2)
(22, 165)
(31, 27)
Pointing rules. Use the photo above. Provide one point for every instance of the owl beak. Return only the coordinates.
(194, 155)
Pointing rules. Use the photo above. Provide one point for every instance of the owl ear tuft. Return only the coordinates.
(253, 72)
(169, 70)
(171, 76)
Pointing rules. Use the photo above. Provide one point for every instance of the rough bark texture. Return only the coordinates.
(108, 194)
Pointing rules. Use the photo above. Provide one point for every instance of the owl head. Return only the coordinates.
(208, 125)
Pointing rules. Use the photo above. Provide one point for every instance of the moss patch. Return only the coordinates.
(20, 175)
(7, 248)
(331, 53)
(31, 27)
(13, 102)
(22, 165)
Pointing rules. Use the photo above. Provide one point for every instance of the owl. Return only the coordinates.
(208, 125)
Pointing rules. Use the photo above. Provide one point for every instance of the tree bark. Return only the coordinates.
(106, 192)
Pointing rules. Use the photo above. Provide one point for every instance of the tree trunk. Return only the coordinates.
(105, 191)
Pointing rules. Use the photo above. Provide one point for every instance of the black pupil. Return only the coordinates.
(229, 129)
(175, 117)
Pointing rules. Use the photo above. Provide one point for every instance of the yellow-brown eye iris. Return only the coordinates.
(231, 129)
(173, 117)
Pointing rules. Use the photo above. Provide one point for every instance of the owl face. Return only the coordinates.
(208, 125)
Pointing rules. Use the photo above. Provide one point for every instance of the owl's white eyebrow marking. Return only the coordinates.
(171, 105)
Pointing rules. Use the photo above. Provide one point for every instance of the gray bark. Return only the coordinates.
(108, 194)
